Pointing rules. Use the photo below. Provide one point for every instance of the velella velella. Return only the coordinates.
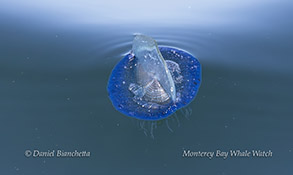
(152, 82)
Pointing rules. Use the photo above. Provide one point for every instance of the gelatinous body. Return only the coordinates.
(153, 82)
(151, 71)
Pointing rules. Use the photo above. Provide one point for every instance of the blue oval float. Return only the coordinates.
(140, 88)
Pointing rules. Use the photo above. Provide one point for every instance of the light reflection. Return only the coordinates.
(132, 11)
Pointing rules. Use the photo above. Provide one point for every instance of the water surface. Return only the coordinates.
(54, 73)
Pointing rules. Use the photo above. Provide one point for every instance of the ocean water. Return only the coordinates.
(53, 89)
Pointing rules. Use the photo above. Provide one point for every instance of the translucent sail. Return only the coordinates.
(154, 82)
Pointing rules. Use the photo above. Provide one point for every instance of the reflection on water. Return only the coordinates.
(53, 78)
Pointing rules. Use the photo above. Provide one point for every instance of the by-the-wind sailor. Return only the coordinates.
(152, 82)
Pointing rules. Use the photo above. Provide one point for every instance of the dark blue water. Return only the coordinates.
(53, 79)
